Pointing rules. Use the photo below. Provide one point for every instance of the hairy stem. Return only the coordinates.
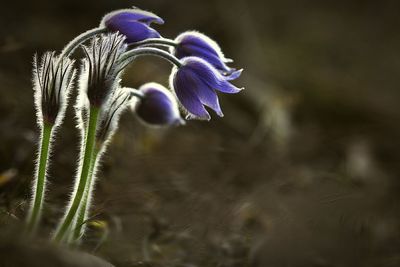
(83, 212)
(71, 46)
(83, 208)
(142, 51)
(83, 179)
(40, 179)
(154, 41)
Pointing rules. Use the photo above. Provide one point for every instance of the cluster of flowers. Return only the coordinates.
(199, 71)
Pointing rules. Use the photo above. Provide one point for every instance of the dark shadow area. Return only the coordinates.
(303, 170)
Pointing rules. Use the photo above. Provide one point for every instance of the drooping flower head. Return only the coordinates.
(102, 67)
(196, 84)
(192, 43)
(157, 106)
(52, 79)
(133, 23)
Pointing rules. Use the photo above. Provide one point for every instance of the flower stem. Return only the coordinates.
(83, 208)
(154, 41)
(71, 46)
(40, 183)
(85, 171)
(78, 228)
(142, 51)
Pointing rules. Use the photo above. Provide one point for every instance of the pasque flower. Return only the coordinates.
(133, 23)
(99, 81)
(200, 71)
(192, 43)
(102, 67)
(196, 84)
(157, 106)
(52, 79)
(52, 82)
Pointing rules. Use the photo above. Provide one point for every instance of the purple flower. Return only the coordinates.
(195, 84)
(157, 106)
(133, 23)
(196, 44)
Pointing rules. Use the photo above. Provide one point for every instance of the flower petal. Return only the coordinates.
(225, 86)
(132, 15)
(157, 106)
(196, 44)
(133, 30)
(192, 50)
(187, 95)
(197, 39)
(234, 75)
(206, 95)
(210, 75)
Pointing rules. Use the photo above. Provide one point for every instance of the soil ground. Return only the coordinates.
(303, 170)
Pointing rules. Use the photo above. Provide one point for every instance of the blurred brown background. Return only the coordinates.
(303, 170)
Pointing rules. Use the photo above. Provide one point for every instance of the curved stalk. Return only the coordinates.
(154, 41)
(136, 93)
(72, 45)
(142, 51)
(86, 166)
(40, 179)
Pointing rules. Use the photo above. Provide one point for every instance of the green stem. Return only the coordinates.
(154, 41)
(83, 209)
(36, 209)
(143, 51)
(86, 166)
(71, 46)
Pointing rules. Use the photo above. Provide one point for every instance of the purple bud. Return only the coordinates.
(196, 44)
(195, 85)
(158, 106)
(133, 23)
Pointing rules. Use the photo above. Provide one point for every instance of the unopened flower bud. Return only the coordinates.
(157, 106)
